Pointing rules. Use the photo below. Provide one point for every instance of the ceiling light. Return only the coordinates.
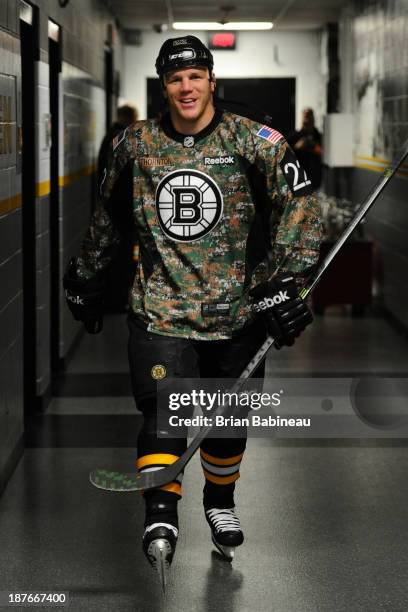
(216, 25)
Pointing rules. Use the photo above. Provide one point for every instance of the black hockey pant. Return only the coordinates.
(220, 457)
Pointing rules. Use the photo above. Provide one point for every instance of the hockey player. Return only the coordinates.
(220, 202)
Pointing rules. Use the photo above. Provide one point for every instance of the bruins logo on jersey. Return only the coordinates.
(189, 205)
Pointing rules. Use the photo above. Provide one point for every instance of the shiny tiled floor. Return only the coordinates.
(324, 520)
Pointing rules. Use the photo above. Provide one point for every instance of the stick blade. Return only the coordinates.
(109, 480)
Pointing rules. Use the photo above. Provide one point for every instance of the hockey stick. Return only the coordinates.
(117, 481)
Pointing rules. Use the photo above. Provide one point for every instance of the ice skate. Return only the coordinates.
(159, 545)
(226, 530)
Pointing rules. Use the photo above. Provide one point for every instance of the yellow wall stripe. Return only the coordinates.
(63, 181)
(221, 480)
(375, 159)
(378, 160)
(377, 164)
(42, 189)
(88, 170)
(373, 168)
(156, 458)
(9, 204)
(369, 167)
(217, 461)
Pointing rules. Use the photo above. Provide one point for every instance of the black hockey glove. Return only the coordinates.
(84, 298)
(285, 313)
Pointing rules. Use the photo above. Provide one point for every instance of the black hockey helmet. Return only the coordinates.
(183, 52)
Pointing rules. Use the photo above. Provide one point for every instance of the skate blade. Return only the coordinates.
(157, 552)
(227, 552)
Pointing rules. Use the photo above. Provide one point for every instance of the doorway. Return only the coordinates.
(29, 55)
(54, 54)
(274, 96)
(109, 89)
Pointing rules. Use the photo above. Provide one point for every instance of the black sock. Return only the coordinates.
(161, 507)
(218, 496)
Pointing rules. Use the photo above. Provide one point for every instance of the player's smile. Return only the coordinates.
(188, 102)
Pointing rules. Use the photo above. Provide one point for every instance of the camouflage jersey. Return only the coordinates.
(215, 214)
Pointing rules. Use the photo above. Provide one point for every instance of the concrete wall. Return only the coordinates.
(377, 33)
(43, 267)
(258, 54)
(83, 111)
(86, 26)
(11, 282)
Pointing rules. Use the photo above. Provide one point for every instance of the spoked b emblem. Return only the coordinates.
(189, 205)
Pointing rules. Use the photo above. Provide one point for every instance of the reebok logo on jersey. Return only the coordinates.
(268, 302)
(74, 299)
(223, 161)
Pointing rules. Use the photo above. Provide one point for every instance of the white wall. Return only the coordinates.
(259, 54)
(346, 54)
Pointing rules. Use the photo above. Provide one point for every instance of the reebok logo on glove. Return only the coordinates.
(74, 300)
(268, 302)
(279, 304)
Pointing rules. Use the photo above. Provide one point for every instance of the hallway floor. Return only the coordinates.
(324, 520)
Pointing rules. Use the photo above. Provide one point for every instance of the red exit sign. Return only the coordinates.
(222, 41)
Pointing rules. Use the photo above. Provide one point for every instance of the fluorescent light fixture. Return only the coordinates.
(215, 25)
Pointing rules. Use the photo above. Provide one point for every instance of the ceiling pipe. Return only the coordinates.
(283, 10)
(170, 13)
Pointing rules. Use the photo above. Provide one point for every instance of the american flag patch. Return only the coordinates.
(269, 134)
